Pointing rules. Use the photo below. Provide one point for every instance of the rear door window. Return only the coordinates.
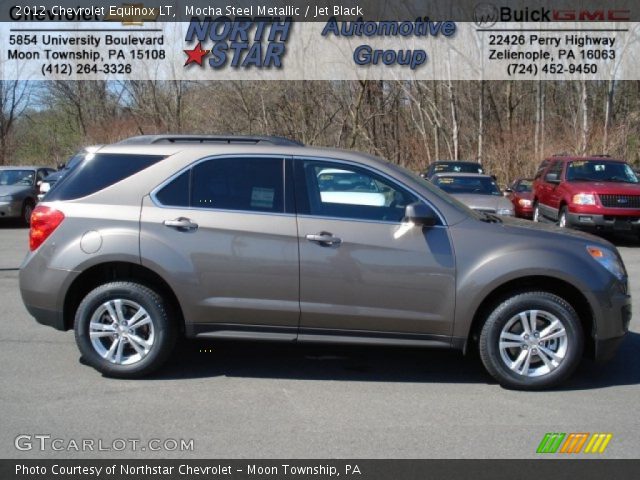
(242, 184)
(245, 184)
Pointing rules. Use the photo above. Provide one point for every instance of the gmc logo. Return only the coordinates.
(592, 15)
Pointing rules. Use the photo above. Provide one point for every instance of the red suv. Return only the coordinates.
(590, 193)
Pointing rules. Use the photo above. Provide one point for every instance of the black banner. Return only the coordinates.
(579, 469)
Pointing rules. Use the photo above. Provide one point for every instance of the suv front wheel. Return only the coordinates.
(536, 212)
(123, 330)
(531, 341)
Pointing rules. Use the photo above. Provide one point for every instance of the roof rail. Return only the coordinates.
(228, 139)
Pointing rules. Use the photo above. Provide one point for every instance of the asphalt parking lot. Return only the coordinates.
(247, 400)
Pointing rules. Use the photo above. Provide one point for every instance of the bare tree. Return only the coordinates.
(584, 109)
(14, 98)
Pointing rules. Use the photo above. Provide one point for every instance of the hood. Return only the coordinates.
(606, 188)
(520, 224)
(484, 202)
(6, 190)
(525, 195)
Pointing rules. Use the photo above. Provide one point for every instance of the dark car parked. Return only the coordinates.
(452, 166)
(19, 190)
(520, 193)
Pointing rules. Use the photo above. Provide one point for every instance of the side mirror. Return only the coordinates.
(419, 214)
(508, 190)
(551, 178)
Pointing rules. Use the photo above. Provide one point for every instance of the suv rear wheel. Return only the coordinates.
(531, 341)
(123, 330)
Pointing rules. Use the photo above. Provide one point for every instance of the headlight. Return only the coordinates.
(584, 199)
(608, 260)
(504, 211)
(523, 202)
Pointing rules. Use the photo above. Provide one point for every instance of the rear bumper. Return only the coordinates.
(49, 318)
(621, 223)
(43, 290)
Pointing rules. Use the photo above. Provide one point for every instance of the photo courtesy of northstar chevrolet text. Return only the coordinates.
(309, 239)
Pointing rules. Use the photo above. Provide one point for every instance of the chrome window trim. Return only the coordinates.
(284, 158)
(157, 203)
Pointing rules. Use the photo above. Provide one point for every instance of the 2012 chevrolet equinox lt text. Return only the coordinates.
(263, 238)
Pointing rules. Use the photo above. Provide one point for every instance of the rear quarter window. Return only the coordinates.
(98, 173)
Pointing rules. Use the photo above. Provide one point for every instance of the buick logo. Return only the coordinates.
(486, 15)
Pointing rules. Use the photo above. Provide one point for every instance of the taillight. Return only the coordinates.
(44, 220)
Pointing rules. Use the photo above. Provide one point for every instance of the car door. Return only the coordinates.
(362, 271)
(555, 192)
(224, 233)
(547, 197)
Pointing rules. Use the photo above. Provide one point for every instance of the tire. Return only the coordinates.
(508, 363)
(562, 218)
(536, 213)
(27, 210)
(138, 351)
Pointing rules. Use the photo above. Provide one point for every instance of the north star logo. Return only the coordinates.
(195, 55)
(244, 42)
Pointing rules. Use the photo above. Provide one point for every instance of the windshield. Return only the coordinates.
(454, 202)
(475, 185)
(524, 186)
(17, 177)
(600, 171)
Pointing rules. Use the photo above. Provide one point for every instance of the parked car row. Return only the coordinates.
(593, 193)
(19, 187)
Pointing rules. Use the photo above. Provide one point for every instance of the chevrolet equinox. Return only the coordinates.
(264, 238)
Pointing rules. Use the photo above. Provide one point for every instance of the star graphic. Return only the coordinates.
(195, 55)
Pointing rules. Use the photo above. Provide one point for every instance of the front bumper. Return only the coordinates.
(611, 322)
(10, 209)
(524, 212)
(617, 223)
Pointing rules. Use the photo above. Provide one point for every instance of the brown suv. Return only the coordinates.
(262, 238)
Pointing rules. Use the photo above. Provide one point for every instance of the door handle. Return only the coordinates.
(181, 224)
(325, 239)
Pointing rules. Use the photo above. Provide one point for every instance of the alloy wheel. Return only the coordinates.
(121, 331)
(533, 343)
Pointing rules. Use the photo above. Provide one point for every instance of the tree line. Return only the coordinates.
(508, 126)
